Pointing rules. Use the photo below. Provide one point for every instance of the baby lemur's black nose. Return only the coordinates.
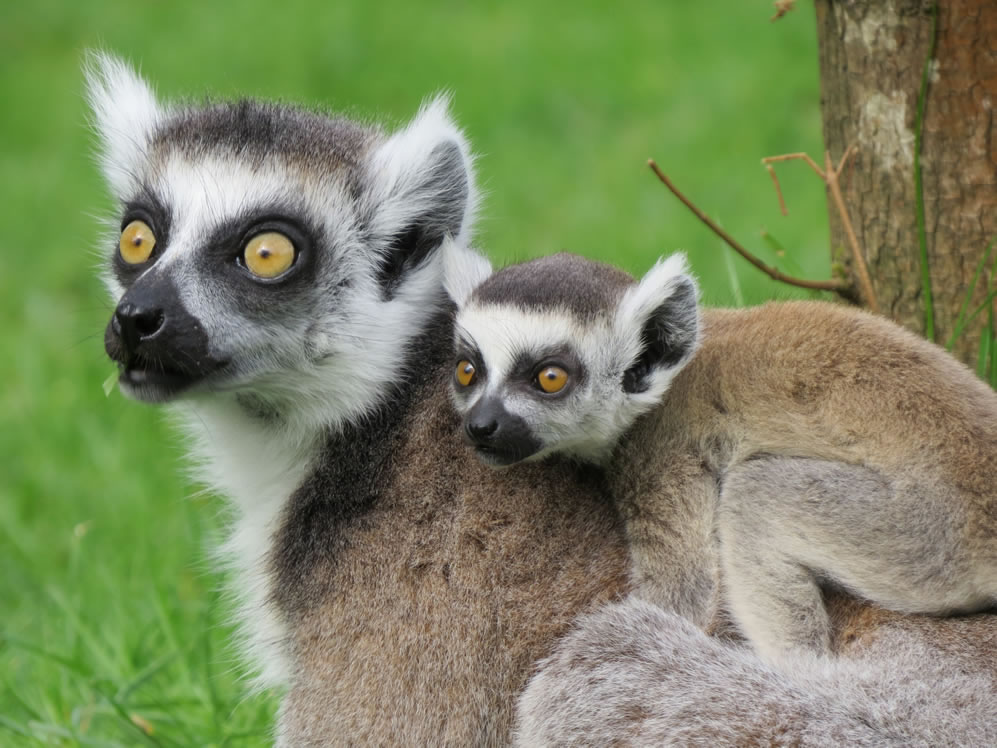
(481, 429)
(134, 323)
(498, 436)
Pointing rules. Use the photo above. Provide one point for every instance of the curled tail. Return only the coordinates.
(634, 674)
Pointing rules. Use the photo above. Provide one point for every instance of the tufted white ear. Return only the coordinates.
(658, 320)
(420, 190)
(464, 269)
(125, 114)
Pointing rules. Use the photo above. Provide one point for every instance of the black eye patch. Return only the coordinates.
(220, 257)
(527, 363)
(145, 207)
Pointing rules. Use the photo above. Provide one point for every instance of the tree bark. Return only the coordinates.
(872, 54)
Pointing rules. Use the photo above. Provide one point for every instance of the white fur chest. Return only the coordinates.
(257, 469)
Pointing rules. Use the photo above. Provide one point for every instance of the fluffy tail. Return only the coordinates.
(634, 674)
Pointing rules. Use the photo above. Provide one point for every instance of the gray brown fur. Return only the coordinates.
(838, 448)
(418, 620)
(418, 616)
(633, 674)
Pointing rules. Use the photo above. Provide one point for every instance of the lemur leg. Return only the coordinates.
(668, 510)
(787, 523)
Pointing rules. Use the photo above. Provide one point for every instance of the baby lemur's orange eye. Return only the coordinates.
(465, 372)
(269, 254)
(136, 243)
(552, 379)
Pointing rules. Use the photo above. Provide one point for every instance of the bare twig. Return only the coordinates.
(829, 175)
(795, 157)
(782, 7)
(844, 159)
(863, 271)
(778, 189)
(828, 285)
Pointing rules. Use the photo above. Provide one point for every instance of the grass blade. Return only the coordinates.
(779, 250)
(991, 332)
(983, 359)
(960, 322)
(66, 662)
(14, 727)
(986, 301)
(146, 675)
(922, 234)
(135, 727)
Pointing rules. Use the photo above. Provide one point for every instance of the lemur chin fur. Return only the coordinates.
(277, 275)
(837, 447)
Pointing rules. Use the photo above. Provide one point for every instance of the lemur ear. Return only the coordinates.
(658, 319)
(125, 115)
(421, 191)
(464, 269)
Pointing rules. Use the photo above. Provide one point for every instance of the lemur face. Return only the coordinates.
(527, 389)
(226, 271)
(264, 251)
(562, 355)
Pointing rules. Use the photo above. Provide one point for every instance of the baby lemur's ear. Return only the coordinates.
(464, 269)
(658, 320)
(420, 191)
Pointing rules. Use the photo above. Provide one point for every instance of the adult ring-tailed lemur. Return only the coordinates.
(277, 276)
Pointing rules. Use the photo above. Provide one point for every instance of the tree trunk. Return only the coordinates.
(872, 54)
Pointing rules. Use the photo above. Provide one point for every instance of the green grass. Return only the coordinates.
(111, 612)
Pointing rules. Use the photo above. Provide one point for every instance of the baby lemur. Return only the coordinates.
(838, 448)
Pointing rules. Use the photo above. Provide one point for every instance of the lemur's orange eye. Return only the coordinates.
(269, 254)
(136, 243)
(465, 372)
(552, 379)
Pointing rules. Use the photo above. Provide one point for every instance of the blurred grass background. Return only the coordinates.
(113, 629)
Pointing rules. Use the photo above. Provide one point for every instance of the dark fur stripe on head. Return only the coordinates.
(259, 130)
(562, 281)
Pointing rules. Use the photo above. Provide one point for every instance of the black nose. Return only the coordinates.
(133, 324)
(480, 429)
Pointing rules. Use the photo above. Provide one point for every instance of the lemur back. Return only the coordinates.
(834, 447)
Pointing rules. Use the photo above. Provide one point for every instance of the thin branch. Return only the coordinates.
(829, 175)
(796, 157)
(844, 159)
(782, 7)
(828, 285)
(778, 189)
(865, 282)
